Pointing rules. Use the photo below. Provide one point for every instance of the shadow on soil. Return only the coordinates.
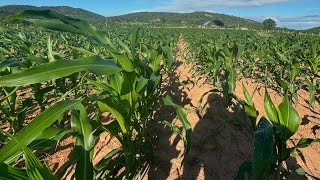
(221, 141)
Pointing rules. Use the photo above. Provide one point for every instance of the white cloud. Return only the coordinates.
(193, 5)
(293, 22)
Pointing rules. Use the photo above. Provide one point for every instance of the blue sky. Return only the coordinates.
(297, 14)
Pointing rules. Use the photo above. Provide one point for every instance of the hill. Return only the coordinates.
(68, 11)
(183, 19)
(314, 30)
(146, 18)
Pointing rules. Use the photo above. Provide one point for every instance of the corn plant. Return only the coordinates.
(314, 62)
(248, 106)
(224, 69)
(270, 148)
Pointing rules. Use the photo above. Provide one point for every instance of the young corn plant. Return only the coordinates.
(226, 71)
(248, 106)
(270, 141)
(314, 63)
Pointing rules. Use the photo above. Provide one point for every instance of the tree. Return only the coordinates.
(269, 24)
(218, 23)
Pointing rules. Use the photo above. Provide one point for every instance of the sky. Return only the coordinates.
(296, 14)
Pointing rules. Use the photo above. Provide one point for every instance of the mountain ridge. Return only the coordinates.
(149, 18)
(66, 10)
(184, 19)
(314, 30)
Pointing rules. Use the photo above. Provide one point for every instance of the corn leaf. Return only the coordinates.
(182, 116)
(108, 106)
(305, 142)
(35, 169)
(289, 118)
(58, 69)
(8, 172)
(270, 109)
(30, 132)
(264, 142)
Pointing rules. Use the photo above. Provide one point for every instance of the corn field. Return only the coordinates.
(61, 76)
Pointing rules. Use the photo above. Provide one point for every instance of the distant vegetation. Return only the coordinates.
(68, 11)
(151, 19)
(146, 18)
(269, 24)
(314, 30)
(184, 19)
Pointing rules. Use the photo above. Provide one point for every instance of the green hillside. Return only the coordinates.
(314, 30)
(68, 11)
(147, 18)
(183, 19)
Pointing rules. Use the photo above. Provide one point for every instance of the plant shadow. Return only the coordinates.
(221, 140)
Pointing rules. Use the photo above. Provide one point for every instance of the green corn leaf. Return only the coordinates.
(56, 26)
(30, 132)
(252, 113)
(4, 50)
(84, 167)
(48, 138)
(49, 46)
(169, 56)
(270, 109)
(97, 83)
(232, 78)
(142, 84)
(153, 84)
(155, 61)
(182, 116)
(8, 172)
(108, 106)
(8, 63)
(247, 96)
(107, 158)
(300, 171)
(115, 82)
(76, 26)
(79, 25)
(289, 118)
(282, 84)
(264, 142)
(240, 48)
(305, 142)
(82, 50)
(126, 48)
(124, 61)
(58, 69)
(81, 125)
(128, 92)
(35, 169)
(134, 37)
(295, 71)
(116, 162)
